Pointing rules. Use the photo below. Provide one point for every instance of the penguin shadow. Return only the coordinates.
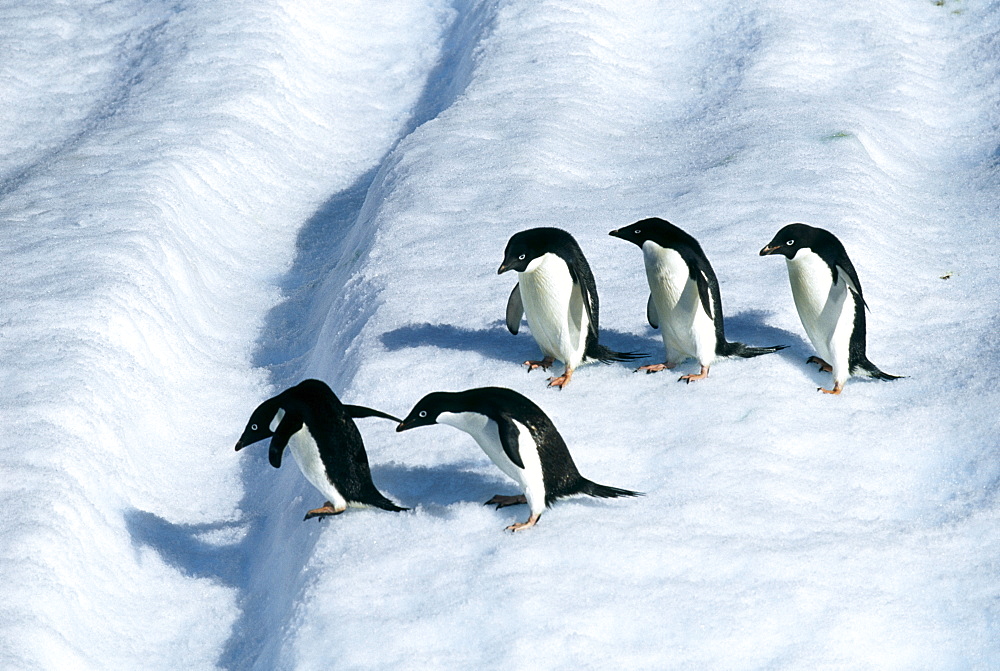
(439, 486)
(751, 328)
(497, 343)
(190, 548)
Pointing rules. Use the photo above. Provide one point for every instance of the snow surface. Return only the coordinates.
(204, 203)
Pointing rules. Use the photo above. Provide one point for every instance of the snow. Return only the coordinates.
(206, 203)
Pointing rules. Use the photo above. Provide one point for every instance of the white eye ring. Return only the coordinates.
(422, 413)
(790, 243)
(521, 257)
(638, 231)
(253, 427)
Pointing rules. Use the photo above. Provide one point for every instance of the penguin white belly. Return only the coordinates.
(306, 454)
(825, 309)
(686, 329)
(554, 307)
(486, 433)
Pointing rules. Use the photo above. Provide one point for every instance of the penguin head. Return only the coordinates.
(793, 237)
(654, 229)
(526, 246)
(259, 426)
(427, 410)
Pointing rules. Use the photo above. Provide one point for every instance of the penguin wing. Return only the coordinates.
(846, 272)
(290, 424)
(651, 316)
(360, 411)
(510, 439)
(515, 310)
(579, 271)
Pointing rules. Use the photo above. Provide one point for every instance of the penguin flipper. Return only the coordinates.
(360, 412)
(651, 316)
(515, 310)
(290, 424)
(509, 439)
(704, 292)
(850, 276)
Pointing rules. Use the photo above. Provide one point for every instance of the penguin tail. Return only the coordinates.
(604, 492)
(871, 370)
(385, 504)
(747, 352)
(598, 352)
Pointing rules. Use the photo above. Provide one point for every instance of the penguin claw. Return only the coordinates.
(324, 511)
(544, 364)
(531, 521)
(502, 501)
(654, 368)
(699, 376)
(823, 366)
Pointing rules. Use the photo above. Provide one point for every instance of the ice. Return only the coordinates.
(204, 204)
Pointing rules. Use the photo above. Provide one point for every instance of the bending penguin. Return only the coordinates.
(320, 432)
(519, 438)
(684, 300)
(556, 289)
(827, 294)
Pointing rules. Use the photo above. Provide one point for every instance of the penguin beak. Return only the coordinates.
(239, 445)
(503, 268)
(615, 233)
(769, 250)
(402, 427)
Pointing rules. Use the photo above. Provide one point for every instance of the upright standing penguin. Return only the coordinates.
(556, 289)
(320, 431)
(827, 294)
(519, 438)
(684, 301)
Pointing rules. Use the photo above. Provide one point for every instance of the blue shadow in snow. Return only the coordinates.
(497, 342)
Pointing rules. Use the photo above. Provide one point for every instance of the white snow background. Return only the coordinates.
(204, 203)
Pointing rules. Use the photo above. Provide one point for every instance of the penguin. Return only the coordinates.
(827, 294)
(519, 438)
(556, 289)
(684, 301)
(320, 431)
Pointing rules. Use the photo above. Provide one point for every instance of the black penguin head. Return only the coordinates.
(259, 426)
(660, 231)
(526, 246)
(793, 237)
(427, 410)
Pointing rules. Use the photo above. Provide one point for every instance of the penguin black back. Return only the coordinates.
(311, 405)
(559, 472)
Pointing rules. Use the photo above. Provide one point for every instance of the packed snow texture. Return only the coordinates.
(204, 203)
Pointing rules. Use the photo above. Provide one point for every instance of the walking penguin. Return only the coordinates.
(320, 432)
(827, 295)
(556, 290)
(519, 438)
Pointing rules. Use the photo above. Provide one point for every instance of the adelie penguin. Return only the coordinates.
(556, 290)
(684, 301)
(320, 432)
(519, 438)
(827, 294)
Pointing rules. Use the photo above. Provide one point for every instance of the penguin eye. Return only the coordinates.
(423, 413)
(253, 427)
(790, 243)
(638, 231)
(521, 257)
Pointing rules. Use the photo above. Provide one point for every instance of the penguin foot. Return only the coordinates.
(562, 380)
(524, 525)
(700, 376)
(544, 364)
(325, 511)
(823, 366)
(837, 388)
(501, 501)
(655, 367)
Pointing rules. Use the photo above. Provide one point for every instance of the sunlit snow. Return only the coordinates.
(204, 203)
